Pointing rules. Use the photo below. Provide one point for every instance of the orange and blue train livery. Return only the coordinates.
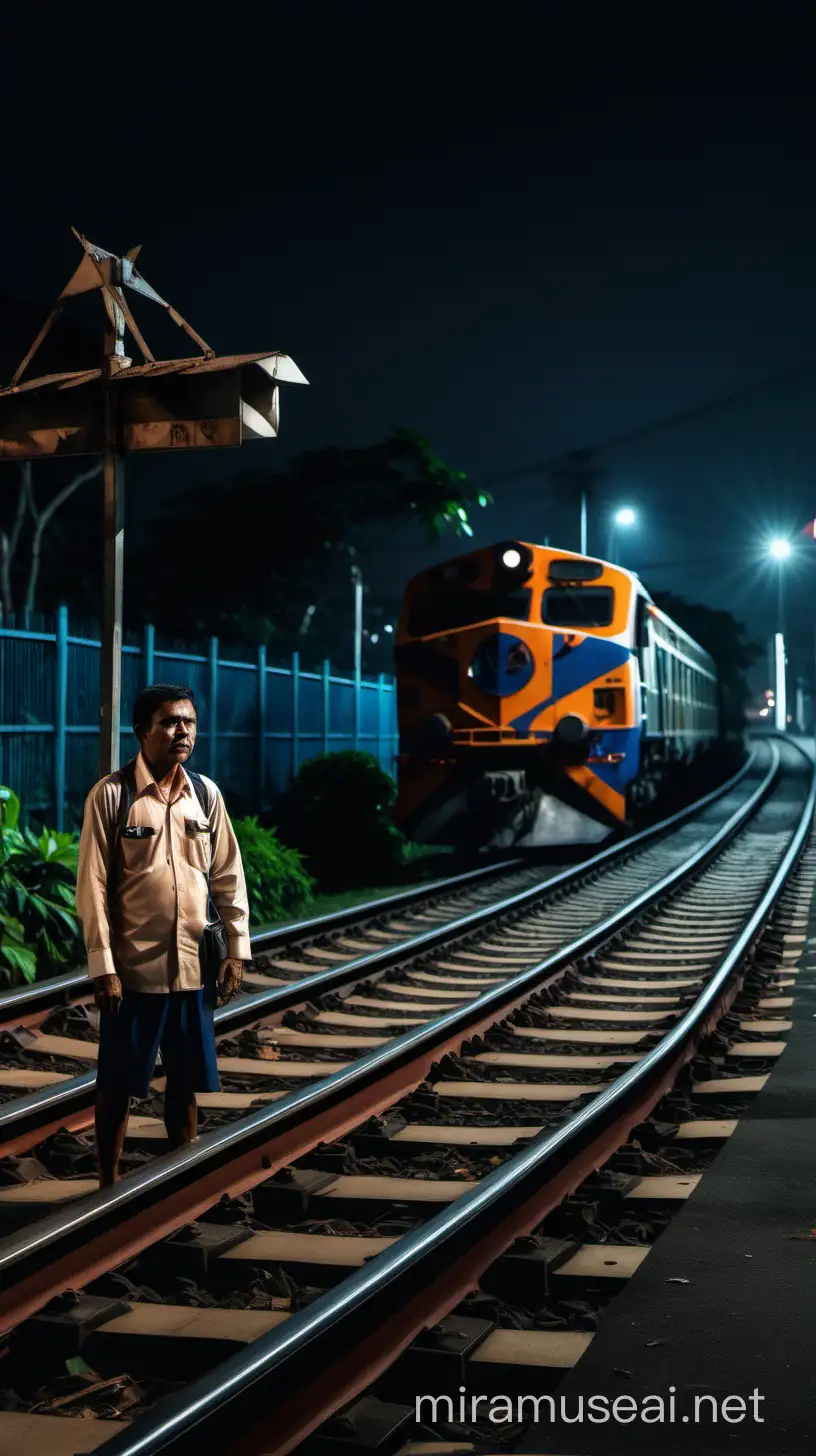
(541, 697)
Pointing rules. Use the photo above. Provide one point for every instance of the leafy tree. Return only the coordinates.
(274, 552)
(23, 533)
(724, 638)
(277, 884)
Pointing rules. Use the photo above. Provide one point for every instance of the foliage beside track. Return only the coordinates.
(39, 931)
(278, 884)
(337, 813)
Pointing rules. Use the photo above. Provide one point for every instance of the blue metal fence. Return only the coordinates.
(258, 721)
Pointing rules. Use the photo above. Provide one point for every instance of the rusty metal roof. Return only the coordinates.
(277, 366)
(62, 381)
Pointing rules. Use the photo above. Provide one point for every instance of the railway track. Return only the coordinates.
(312, 942)
(48, 1031)
(419, 1161)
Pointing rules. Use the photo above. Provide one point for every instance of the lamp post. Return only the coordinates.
(625, 517)
(779, 550)
(357, 585)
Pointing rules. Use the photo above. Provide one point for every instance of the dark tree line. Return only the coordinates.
(724, 638)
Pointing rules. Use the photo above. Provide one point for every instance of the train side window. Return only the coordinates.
(641, 627)
(660, 684)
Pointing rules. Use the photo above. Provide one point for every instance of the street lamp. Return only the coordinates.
(779, 549)
(624, 517)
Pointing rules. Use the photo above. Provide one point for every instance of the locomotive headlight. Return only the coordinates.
(511, 558)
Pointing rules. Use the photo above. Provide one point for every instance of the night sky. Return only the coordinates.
(518, 229)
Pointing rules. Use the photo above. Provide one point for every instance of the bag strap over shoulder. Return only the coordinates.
(125, 777)
(203, 795)
(201, 791)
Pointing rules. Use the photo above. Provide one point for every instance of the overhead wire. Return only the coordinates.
(652, 427)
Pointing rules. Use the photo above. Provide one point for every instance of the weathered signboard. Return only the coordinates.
(175, 404)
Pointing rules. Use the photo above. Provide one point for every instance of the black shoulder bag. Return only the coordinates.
(214, 946)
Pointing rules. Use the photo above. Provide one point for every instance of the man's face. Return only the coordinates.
(172, 733)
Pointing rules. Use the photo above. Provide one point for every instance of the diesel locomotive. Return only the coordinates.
(542, 699)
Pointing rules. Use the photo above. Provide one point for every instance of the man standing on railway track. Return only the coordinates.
(163, 904)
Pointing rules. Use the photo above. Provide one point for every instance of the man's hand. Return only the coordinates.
(230, 977)
(107, 993)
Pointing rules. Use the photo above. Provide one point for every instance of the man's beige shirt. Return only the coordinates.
(150, 935)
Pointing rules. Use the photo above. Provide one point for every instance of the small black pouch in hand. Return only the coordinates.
(214, 947)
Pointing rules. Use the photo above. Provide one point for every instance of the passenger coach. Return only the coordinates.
(542, 698)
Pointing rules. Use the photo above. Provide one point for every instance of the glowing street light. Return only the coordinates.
(779, 549)
(625, 516)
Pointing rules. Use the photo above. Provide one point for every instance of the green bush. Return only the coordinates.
(277, 884)
(39, 931)
(337, 813)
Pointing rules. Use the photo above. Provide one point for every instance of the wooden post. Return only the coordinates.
(110, 667)
(113, 540)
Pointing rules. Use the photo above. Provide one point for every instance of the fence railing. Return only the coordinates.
(258, 721)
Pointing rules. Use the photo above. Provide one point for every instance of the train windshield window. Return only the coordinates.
(444, 611)
(578, 606)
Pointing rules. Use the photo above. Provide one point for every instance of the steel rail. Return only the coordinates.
(110, 1225)
(42, 993)
(348, 1336)
(68, 1101)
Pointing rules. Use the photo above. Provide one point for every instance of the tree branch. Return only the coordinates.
(10, 542)
(41, 520)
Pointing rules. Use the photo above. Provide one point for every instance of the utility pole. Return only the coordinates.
(357, 583)
(577, 475)
(780, 656)
(781, 709)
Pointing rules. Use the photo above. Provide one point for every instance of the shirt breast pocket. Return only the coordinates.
(197, 844)
(138, 845)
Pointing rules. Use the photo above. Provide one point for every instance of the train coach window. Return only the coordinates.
(578, 606)
(444, 611)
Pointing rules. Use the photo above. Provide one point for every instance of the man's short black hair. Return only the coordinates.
(151, 698)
